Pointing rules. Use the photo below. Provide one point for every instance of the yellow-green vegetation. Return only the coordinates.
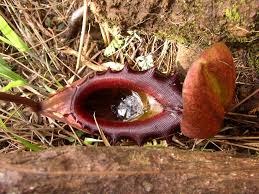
(232, 14)
(11, 38)
(155, 143)
(173, 37)
(202, 24)
(188, 33)
(7, 73)
(252, 56)
(27, 144)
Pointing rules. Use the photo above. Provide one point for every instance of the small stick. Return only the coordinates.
(242, 101)
(105, 140)
(82, 34)
(35, 106)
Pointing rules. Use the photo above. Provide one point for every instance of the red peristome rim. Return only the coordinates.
(165, 90)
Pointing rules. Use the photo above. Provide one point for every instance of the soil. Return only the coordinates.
(184, 21)
(195, 24)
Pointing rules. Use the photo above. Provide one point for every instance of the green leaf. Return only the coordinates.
(145, 62)
(71, 139)
(79, 133)
(115, 44)
(11, 37)
(89, 141)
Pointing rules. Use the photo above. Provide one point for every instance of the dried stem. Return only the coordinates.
(35, 106)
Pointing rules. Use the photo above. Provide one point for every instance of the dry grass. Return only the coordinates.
(53, 63)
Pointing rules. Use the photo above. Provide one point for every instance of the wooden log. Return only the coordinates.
(127, 170)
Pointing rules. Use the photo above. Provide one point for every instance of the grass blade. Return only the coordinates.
(7, 73)
(2, 125)
(5, 40)
(24, 142)
(13, 84)
(12, 37)
(27, 144)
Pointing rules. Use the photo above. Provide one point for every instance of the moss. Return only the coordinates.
(232, 14)
(186, 34)
(252, 57)
(171, 36)
(191, 32)
(235, 39)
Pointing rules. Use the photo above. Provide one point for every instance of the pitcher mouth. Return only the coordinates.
(135, 105)
(118, 104)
